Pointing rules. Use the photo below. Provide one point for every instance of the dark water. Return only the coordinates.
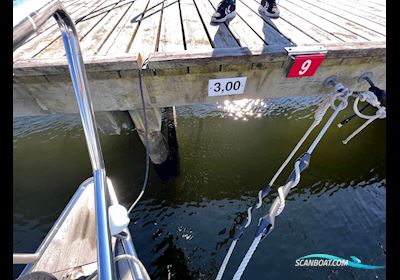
(184, 224)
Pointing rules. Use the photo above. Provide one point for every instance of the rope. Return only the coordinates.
(348, 119)
(318, 115)
(247, 258)
(226, 260)
(124, 257)
(372, 99)
(266, 223)
(137, 262)
(342, 96)
(292, 185)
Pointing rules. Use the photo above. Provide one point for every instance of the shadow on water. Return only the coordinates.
(176, 269)
(184, 224)
(170, 168)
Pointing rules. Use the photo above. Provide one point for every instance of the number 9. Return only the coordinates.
(305, 66)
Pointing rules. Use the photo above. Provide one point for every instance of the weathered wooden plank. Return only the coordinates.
(245, 36)
(315, 32)
(308, 28)
(372, 11)
(188, 59)
(267, 53)
(171, 36)
(66, 2)
(146, 39)
(351, 49)
(219, 34)
(348, 25)
(380, 4)
(196, 37)
(289, 31)
(358, 10)
(91, 43)
(75, 241)
(83, 28)
(265, 83)
(106, 9)
(381, 29)
(42, 40)
(121, 39)
(59, 66)
(75, 271)
(321, 22)
(264, 29)
(112, 91)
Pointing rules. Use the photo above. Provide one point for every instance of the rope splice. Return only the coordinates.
(371, 99)
(266, 223)
(318, 115)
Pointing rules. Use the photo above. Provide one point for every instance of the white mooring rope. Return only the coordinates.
(247, 258)
(226, 260)
(318, 115)
(341, 93)
(372, 99)
(292, 185)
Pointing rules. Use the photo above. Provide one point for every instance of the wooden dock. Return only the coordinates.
(182, 50)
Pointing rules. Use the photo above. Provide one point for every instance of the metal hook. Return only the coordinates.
(330, 81)
(367, 76)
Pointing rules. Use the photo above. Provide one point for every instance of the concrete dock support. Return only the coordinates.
(112, 122)
(157, 149)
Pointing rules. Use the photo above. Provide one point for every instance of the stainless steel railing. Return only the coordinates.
(27, 20)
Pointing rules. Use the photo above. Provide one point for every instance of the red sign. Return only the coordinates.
(305, 65)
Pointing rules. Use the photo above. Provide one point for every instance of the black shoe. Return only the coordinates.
(224, 11)
(270, 8)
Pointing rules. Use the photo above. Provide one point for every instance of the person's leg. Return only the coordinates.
(270, 8)
(225, 10)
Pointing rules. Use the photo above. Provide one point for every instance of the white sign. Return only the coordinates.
(228, 86)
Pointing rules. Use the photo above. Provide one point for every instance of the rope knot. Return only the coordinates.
(381, 112)
(370, 97)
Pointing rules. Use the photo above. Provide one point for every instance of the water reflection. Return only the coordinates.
(241, 109)
(187, 218)
(246, 108)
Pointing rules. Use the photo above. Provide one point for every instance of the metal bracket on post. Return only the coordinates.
(330, 81)
(367, 76)
(293, 51)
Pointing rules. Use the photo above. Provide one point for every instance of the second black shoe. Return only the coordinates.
(225, 10)
(270, 8)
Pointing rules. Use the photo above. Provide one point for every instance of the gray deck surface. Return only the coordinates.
(120, 27)
(75, 243)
